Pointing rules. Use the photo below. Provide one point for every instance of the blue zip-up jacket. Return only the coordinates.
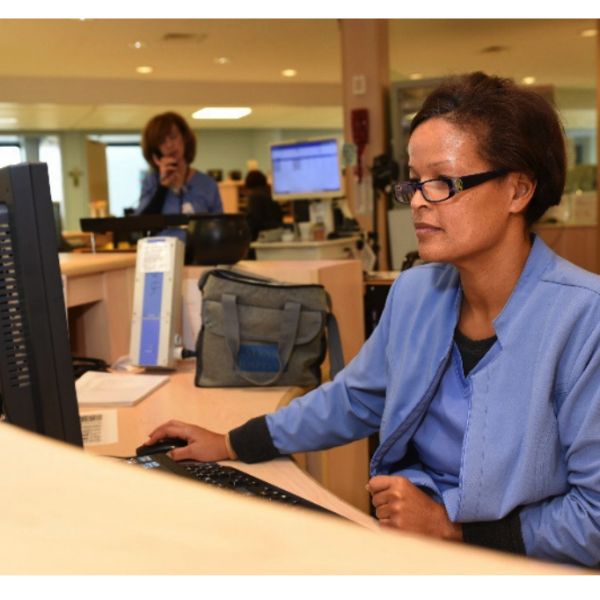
(201, 193)
(532, 440)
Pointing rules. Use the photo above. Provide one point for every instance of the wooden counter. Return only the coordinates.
(66, 512)
(74, 264)
(217, 409)
(98, 291)
(576, 243)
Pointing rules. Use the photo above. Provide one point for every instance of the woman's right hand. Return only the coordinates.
(203, 445)
(168, 169)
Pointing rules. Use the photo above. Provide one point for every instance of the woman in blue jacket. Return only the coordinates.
(173, 186)
(483, 375)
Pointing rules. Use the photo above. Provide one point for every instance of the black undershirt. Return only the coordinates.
(472, 351)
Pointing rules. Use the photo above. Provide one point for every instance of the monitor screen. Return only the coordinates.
(36, 367)
(306, 169)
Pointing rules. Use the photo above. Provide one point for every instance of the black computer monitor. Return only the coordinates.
(36, 369)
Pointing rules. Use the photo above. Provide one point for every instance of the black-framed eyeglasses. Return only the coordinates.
(442, 188)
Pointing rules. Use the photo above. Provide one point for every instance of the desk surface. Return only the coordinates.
(219, 409)
(67, 512)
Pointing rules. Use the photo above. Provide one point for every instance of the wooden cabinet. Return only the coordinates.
(576, 243)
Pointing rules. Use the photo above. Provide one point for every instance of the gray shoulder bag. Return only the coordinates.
(258, 331)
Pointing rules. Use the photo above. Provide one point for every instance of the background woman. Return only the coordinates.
(483, 375)
(173, 186)
(262, 211)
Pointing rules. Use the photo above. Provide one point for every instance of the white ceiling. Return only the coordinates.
(73, 74)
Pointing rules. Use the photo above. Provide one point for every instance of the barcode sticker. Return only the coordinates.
(99, 427)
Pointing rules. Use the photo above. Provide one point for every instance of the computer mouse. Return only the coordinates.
(164, 445)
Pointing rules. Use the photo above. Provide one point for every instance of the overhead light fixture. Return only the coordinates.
(144, 70)
(528, 80)
(137, 45)
(289, 72)
(222, 60)
(221, 113)
(589, 33)
(415, 76)
(8, 120)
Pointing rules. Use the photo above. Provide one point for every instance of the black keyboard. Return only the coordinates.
(226, 478)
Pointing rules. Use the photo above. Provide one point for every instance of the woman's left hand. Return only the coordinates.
(401, 505)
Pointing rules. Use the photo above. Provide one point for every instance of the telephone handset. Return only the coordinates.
(360, 135)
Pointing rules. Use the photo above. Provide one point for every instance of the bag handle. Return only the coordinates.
(287, 336)
(234, 273)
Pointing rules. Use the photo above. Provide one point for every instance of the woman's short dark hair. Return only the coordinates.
(515, 129)
(255, 179)
(157, 129)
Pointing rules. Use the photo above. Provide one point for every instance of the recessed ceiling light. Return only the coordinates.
(221, 113)
(137, 45)
(144, 70)
(528, 80)
(222, 60)
(415, 76)
(8, 120)
(289, 72)
(589, 32)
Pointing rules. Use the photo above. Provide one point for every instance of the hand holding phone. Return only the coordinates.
(168, 170)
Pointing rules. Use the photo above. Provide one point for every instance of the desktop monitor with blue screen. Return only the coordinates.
(306, 169)
(309, 173)
(36, 369)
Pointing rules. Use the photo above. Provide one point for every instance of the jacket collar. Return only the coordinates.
(540, 257)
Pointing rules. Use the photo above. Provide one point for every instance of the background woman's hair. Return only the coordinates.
(255, 179)
(156, 131)
(515, 128)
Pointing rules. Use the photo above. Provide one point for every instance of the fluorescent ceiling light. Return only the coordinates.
(221, 113)
(289, 72)
(528, 80)
(144, 70)
(8, 120)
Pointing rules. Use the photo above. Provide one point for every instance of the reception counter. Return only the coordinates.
(99, 297)
(98, 290)
(575, 242)
(71, 512)
(66, 512)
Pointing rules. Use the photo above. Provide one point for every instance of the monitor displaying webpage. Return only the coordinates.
(307, 169)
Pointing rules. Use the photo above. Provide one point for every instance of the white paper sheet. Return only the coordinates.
(116, 389)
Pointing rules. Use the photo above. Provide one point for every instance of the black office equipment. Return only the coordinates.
(227, 478)
(164, 445)
(36, 370)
